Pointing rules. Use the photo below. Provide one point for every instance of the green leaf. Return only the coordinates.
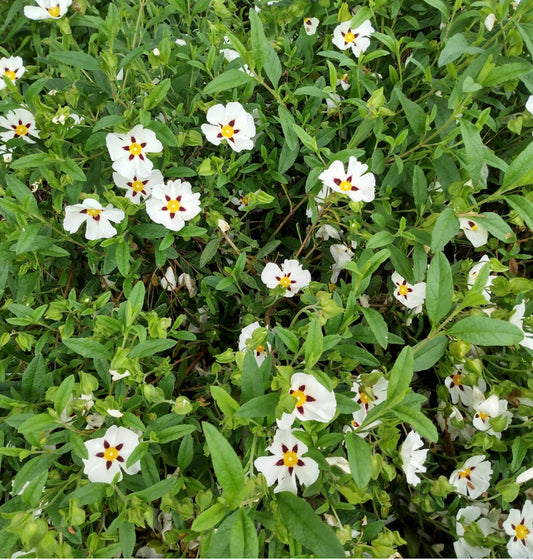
(520, 171)
(227, 465)
(210, 250)
(72, 169)
(455, 47)
(287, 124)
(360, 459)
(485, 331)
(272, 67)
(474, 150)
(243, 542)
(78, 59)
(174, 432)
(418, 421)
(122, 255)
(154, 98)
(439, 288)
(78, 447)
(496, 226)
(226, 81)
(259, 407)
(416, 116)
(33, 492)
(377, 325)
(227, 404)
(401, 263)
(209, 518)
(441, 6)
(63, 394)
(150, 347)
(251, 380)
(87, 347)
(523, 207)
(291, 341)
(260, 44)
(313, 344)
(420, 187)
(506, 72)
(158, 489)
(357, 353)
(35, 380)
(400, 376)
(32, 160)
(138, 453)
(428, 352)
(445, 229)
(127, 538)
(37, 423)
(307, 528)
(307, 140)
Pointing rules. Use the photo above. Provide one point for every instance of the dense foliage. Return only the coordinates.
(351, 183)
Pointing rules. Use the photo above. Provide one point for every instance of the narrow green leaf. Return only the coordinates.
(72, 169)
(439, 288)
(260, 44)
(35, 380)
(138, 453)
(227, 465)
(227, 404)
(174, 432)
(416, 116)
(485, 331)
(63, 394)
(243, 542)
(209, 518)
(127, 538)
(505, 73)
(291, 341)
(32, 160)
(77, 59)
(33, 492)
(400, 376)
(377, 325)
(474, 150)
(441, 6)
(150, 347)
(314, 343)
(272, 67)
(159, 489)
(226, 81)
(445, 229)
(259, 407)
(122, 255)
(360, 459)
(401, 263)
(307, 528)
(520, 171)
(420, 187)
(251, 380)
(154, 98)
(418, 421)
(287, 124)
(524, 208)
(496, 226)
(78, 446)
(428, 352)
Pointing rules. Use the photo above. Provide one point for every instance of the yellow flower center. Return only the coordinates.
(290, 459)
(54, 11)
(135, 149)
(227, 131)
(93, 212)
(355, 424)
(483, 416)
(285, 282)
(521, 531)
(137, 186)
(111, 453)
(364, 398)
(465, 473)
(10, 74)
(244, 200)
(260, 349)
(345, 186)
(173, 206)
(457, 379)
(403, 290)
(21, 130)
(349, 37)
(301, 396)
(308, 21)
(474, 227)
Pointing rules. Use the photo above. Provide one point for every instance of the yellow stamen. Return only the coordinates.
(137, 186)
(244, 200)
(349, 37)
(290, 459)
(21, 130)
(227, 131)
(474, 227)
(483, 415)
(457, 379)
(364, 398)
(403, 290)
(521, 532)
(135, 149)
(173, 206)
(54, 11)
(260, 349)
(10, 74)
(111, 453)
(345, 186)
(93, 212)
(465, 473)
(301, 396)
(285, 282)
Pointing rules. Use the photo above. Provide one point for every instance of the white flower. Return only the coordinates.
(12, 68)
(326, 232)
(487, 409)
(291, 276)
(172, 204)
(138, 188)
(168, 281)
(358, 39)
(319, 200)
(339, 462)
(473, 478)
(47, 9)
(287, 463)
(231, 123)
(455, 425)
(408, 294)
(94, 421)
(518, 319)
(519, 525)
(367, 399)
(6, 154)
(333, 101)
(489, 22)
(310, 25)
(342, 255)
(343, 82)
(185, 279)
(475, 233)
(525, 476)
(20, 123)
(116, 376)
(314, 401)
(128, 151)
(97, 217)
(464, 517)
(108, 455)
(529, 104)
(413, 458)
(223, 226)
(474, 271)
(230, 55)
(242, 201)
(114, 413)
(260, 352)
(458, 390)
(355, 182)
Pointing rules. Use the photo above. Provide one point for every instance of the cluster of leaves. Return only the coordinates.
(436, 99)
